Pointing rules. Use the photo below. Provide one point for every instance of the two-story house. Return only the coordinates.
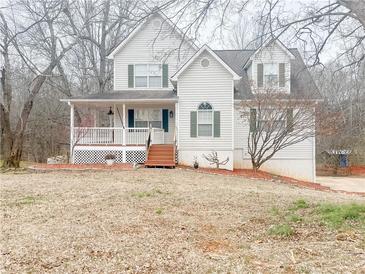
(174, 102)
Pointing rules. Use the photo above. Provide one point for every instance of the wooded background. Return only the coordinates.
(53, 49)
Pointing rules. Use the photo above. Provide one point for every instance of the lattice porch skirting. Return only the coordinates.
(96, 154)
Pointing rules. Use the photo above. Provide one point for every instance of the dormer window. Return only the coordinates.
(271, 75)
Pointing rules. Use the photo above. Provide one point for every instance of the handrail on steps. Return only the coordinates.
(148, 142)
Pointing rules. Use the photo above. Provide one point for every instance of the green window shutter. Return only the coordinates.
(260, 75)
(282, 75)
(130, 117)
(217, 124)
(252, 120)
(131, 76)
(289, 120)
(165, 120)
(193, 124)
(165, 75)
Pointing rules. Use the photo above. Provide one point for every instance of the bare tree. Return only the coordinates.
(43, 16)
(276, 122)
(98, 26)
(341, 116)
(213, 159)
(316, 24)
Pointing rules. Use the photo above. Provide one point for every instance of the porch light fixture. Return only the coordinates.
(171, 114)
(110, 112)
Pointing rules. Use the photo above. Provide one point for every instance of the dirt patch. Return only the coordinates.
(156, 220)
(215, 246)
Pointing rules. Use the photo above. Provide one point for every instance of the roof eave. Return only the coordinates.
(118, 100)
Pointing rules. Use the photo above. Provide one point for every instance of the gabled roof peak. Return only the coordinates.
(205, 47)
(154, 11)
(269, 41)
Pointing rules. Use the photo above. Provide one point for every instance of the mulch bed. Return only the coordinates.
(50, 167)
(358, 170)
(249, 173)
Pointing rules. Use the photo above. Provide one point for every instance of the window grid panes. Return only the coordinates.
(148, 75)
(148, 118)
(205, 120)
(271, 74)
(272, 120)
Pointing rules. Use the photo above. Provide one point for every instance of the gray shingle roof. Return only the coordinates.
(302, 83)
(131, 95)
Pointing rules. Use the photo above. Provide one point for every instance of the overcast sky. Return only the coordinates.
(222, 38)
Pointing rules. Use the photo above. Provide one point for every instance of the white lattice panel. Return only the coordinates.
(96, 154)
(135, 156)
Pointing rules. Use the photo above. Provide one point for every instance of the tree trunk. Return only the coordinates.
(14, 155)
(255, 165)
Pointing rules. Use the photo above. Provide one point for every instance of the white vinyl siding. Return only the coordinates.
(212, 84)
(302, 150)
(151, 45)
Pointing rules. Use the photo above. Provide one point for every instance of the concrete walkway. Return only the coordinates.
(350, 184)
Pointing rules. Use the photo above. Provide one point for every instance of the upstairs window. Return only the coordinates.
(271, 75)
(148, 76)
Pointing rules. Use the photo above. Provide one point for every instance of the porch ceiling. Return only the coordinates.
(127, 96)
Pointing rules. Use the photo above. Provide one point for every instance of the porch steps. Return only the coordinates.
(161, 156)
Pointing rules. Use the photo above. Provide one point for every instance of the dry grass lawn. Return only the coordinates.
(173, 221)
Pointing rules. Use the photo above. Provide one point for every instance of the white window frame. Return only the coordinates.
(276, 84)
(197, 119)
(148, 121)
(148, 75)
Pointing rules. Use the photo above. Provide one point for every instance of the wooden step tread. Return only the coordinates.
(159, 163)
(161, 156)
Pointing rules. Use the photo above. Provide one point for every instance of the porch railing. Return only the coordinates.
(116, 136)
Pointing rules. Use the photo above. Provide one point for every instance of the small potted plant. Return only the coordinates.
(195, 163)
(110, 159)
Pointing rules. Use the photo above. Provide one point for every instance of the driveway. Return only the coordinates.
(350, 184)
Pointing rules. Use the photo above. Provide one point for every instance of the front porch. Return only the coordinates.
(129, 145)
(124, 129)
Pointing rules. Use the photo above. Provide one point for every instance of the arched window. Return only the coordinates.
(205, 119)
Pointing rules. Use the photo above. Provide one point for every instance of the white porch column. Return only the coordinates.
(72, 125)
(95, 116)
(124, 125)
(177, 124)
